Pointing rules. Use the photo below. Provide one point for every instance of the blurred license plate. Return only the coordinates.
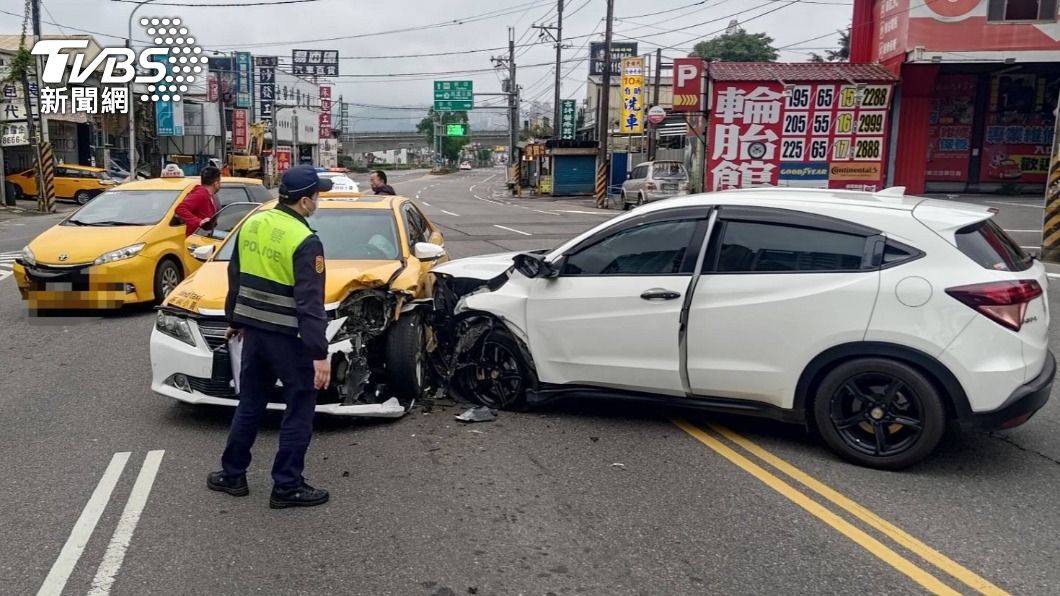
(59, 287)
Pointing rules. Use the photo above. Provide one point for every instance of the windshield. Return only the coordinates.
(125, 208)
(348, 234)
(668, 169)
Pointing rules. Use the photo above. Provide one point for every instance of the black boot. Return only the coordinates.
(237, 487)
(300, 496)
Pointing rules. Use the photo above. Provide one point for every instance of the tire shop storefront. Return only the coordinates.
(808, 125)
(979, 86)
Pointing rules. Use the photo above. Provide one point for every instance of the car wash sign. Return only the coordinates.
(633, 95)
(822, 135)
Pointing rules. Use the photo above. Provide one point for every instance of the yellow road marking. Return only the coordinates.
(895, 533)
(881, 551)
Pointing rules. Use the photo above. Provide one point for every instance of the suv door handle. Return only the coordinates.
(660, 294)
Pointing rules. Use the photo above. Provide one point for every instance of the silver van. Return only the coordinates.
(654, 180)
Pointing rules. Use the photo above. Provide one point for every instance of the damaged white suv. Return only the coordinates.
(873, 318)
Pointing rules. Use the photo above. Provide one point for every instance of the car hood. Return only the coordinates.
(204, 292)
(481, 267)
(82, 244)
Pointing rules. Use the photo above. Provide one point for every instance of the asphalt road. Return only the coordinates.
(578, 498)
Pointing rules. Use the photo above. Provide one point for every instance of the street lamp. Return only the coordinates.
(132, 99)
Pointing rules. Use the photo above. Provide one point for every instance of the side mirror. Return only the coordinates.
(533, 266)
(425, 251)
(203, 253)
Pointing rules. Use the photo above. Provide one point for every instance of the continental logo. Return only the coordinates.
(686, 100)
(854, 171)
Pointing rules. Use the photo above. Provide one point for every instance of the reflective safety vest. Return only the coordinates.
(267, 243)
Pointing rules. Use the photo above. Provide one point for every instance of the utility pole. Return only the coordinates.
(513, 97)
(1051, 225)
(653, 130)
(603, 120)
(556, 33)
(38, 132)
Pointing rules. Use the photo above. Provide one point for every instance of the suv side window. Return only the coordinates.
(759, 247)
(259, 194)
(658, 248)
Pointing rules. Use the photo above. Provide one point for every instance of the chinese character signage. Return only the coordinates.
(244, 80)
(950, 128)
(453, 96)
(169, 118)
(14, 133)
(325, 112)
(266, 61)
(688, 84)
(213, 88)
(830, 135)
(239, 129)
(319, 63)
(633, 96)
(283, 158)
(619, 51)
(568, 116)
(1019, 128)
(266, 84)
(344, 116)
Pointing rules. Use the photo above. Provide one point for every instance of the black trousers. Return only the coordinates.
(268, 356)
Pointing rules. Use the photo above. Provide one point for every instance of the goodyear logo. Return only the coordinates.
(804, 171)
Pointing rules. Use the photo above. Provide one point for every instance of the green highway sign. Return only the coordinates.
(453, 96)
(456, 130)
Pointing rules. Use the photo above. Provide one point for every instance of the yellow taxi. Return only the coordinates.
(378, 252)
(74, 182)
(125, 246)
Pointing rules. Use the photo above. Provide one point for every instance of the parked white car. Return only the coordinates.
(340, 182)
(653, 181)
(873, 318)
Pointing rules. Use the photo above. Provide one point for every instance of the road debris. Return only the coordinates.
(479, 414)
(619, 466)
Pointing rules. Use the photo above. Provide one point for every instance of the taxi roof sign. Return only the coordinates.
(172, 170)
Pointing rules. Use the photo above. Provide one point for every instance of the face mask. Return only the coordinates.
(310, 206)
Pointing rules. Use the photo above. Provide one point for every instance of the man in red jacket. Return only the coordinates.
(197, 209)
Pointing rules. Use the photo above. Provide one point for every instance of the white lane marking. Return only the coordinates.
(5, 274)
(1006, 204)
(512, 230)
(75, 544)
(1054, 275)
(425, 203)
(1024, 231)
(450, 213)
(583, 212)
(130, 516)
(1030, 247)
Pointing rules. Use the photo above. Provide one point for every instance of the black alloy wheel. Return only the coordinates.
(879, 413)
(498, 379)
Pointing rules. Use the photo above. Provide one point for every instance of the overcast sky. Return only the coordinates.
(482, 24)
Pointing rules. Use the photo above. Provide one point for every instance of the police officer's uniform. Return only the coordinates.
(276, 298)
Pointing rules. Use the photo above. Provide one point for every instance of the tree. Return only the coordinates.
(737, 45)
(450, 145)
(840, 54)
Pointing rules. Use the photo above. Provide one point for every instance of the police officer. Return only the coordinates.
(276, 304)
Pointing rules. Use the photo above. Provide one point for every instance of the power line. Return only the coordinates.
(225, 5)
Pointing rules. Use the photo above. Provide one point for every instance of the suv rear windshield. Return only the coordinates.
(987, 244)
(667, 169)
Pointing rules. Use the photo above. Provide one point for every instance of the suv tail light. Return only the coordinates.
(1004, 302)
(649, 186)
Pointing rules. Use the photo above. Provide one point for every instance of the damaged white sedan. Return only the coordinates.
(873, 318)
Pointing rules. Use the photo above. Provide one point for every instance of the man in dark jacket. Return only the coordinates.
(379, 185)
(275, 303)
(200, 205)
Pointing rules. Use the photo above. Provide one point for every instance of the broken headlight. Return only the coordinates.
(174, 326)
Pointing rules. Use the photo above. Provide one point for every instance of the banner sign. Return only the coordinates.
(950, 128)
(266, 91)
(344, 116)
(568, 116)
(169, 118)
(239, 129)
(632, 122)
(689, 82)
(619, 51)
(767, 134)
(322, 63)
(13, 134)
(283, 158)
(325, 112)
(266, 61)
(1019, 128)
(213, 90)
(244, 80)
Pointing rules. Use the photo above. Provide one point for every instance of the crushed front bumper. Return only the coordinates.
(1024, 402)
(200, 374)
